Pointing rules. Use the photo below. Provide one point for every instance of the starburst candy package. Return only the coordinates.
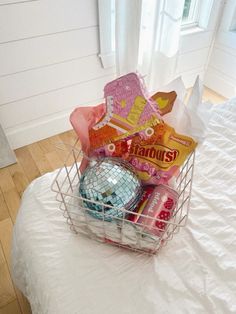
(158, 157)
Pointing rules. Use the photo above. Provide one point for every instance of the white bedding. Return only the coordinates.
(62, 273)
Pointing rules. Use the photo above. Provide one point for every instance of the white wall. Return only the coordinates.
(221, 72)
(48, 65)
(193, 56)
(195, 44)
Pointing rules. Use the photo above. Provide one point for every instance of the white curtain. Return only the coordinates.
(127, 35)
(147, 38)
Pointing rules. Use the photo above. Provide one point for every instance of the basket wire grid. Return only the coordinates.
(121, 231)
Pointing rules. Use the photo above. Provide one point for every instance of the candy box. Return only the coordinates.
(158, 209)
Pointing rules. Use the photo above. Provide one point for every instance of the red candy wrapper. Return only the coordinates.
(147, 192)
(161, 205)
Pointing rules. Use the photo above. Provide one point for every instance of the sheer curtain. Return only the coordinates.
(147, 34)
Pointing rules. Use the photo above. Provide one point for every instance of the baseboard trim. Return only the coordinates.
(33, 131)
(219, 82)
(25, 135)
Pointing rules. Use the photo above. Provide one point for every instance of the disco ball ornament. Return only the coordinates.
(110, 182)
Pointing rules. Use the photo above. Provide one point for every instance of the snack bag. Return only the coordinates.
(128, 110)
(158, 157)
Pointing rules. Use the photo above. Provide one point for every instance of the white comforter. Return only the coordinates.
(62, 273)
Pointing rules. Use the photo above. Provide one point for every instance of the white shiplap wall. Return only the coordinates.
(196, 44)
(48, 65)
(193, 56)
(221, 72)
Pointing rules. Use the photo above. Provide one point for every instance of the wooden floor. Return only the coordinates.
(32, 161)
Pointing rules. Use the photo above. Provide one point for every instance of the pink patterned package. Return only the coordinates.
(129, 110)
(130, 101)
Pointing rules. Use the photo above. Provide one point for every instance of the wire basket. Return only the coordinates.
(120, 231)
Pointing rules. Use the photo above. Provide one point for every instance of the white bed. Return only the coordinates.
(62, 273)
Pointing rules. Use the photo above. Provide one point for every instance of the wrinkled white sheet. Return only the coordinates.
(62, 273)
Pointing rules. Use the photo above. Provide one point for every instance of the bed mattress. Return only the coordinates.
(60, 272)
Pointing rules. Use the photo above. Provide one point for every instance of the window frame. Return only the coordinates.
(194, 12)
(202, 17)
(227, 30)
(233, 23)
(107, 53)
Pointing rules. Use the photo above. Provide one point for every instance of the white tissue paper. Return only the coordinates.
(190, 119)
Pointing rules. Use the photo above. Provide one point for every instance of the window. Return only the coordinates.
(106, 31)
(190, 15)
(196, 13)
(233, 24)
(113, 22)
